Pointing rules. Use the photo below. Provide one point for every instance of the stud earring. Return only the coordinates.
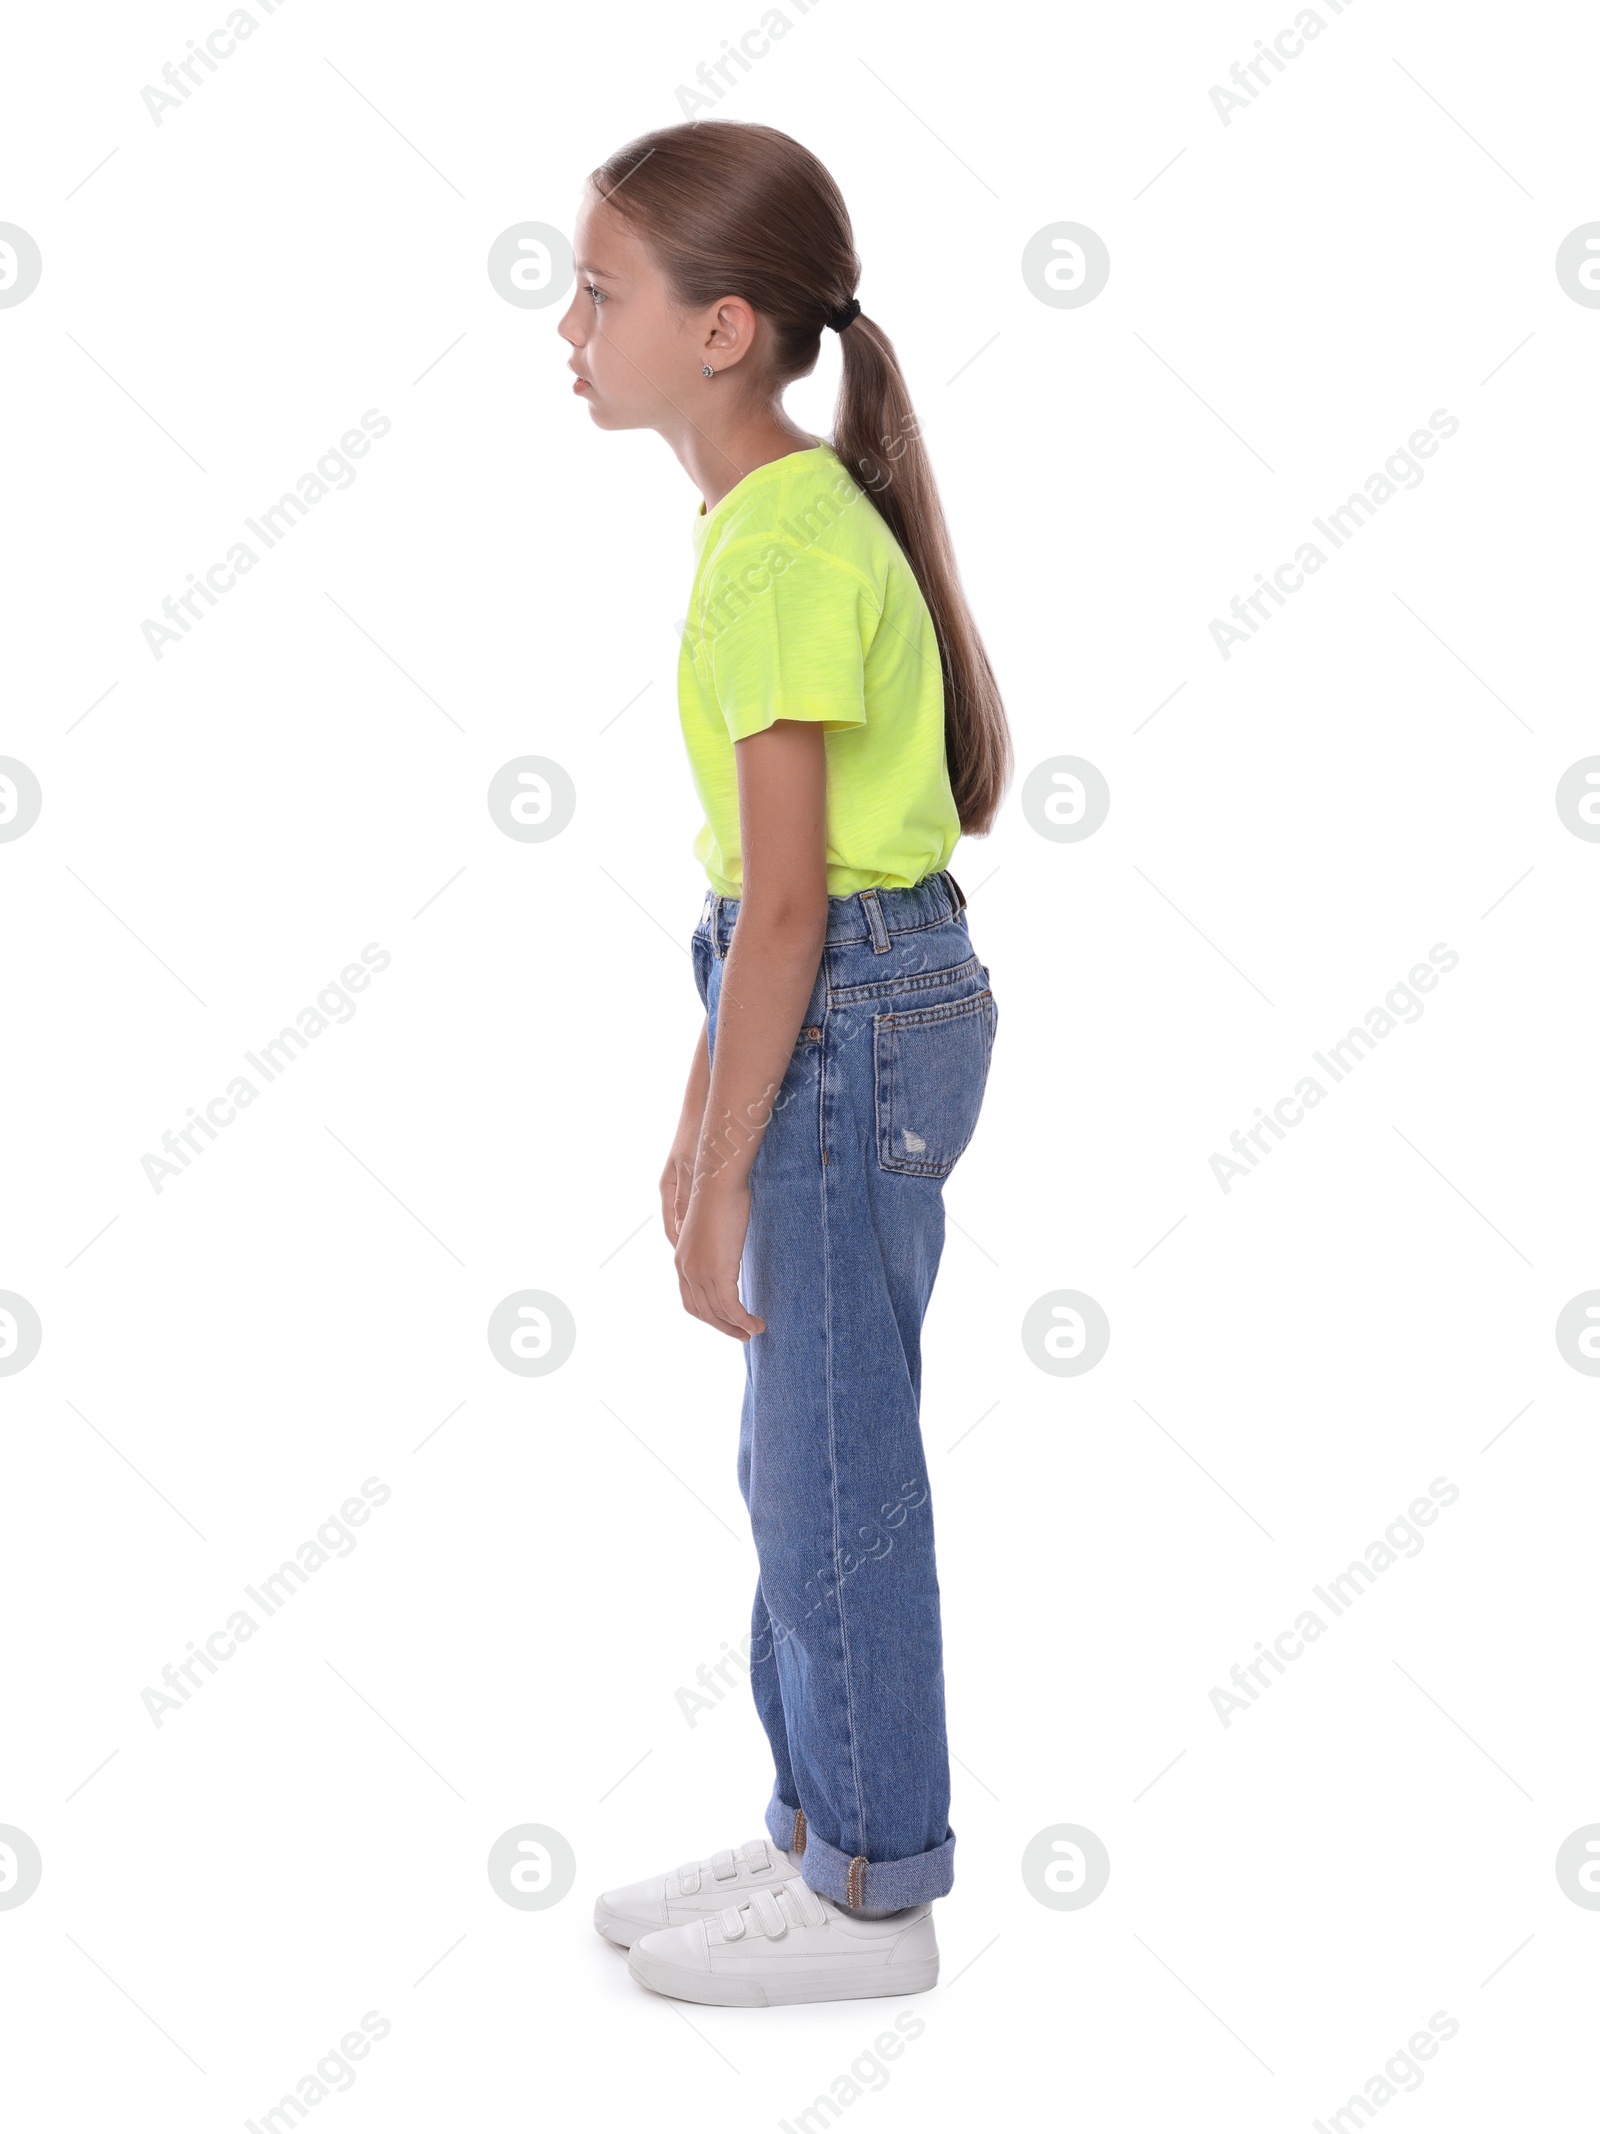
(705, 370)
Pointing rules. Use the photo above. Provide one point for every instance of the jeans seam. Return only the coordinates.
(833, 1484)
(822, 1090)
(886, 989)
(942, 1011)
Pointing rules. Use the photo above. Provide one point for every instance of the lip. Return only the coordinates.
(580, 384)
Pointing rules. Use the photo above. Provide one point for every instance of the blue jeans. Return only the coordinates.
(846, 1228)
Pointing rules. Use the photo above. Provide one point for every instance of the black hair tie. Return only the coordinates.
(841, 319)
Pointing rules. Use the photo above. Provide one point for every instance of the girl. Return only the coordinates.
(843, 728)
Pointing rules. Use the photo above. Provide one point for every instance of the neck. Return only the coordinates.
(717, 455)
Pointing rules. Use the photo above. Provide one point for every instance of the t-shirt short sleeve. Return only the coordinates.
(786, 631)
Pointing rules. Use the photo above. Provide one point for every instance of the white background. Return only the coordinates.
(1292, 1895)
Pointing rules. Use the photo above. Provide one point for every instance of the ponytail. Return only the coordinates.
(729, 207)
(877, 436)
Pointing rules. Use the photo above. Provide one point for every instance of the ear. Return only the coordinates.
(732, 331)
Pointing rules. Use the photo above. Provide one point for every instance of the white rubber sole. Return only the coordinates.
(714, 1991)
(617, 1928)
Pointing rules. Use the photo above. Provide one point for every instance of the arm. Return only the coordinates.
(771, 969)
(678, 1175)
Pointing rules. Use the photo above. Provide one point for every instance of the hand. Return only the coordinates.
(710, 1244)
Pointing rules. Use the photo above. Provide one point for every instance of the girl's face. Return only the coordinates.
(636, 356)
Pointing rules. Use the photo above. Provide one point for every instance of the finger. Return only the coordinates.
(706, 1307)
(725, 1294)
(690, 1295)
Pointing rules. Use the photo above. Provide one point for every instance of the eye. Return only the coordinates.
(598, 295)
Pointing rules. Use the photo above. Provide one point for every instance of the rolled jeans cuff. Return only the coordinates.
(877, 1885)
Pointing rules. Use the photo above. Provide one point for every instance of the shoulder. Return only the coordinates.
(813, 525)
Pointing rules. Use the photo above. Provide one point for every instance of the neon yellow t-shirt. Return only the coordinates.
(805, 607)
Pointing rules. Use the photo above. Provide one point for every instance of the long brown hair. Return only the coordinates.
(728, 208)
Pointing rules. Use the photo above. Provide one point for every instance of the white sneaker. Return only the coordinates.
(690, 1892)
(788, 1944)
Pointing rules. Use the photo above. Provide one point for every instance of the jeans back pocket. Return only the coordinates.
(931, 1065)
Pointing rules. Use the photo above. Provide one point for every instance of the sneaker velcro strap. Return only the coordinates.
(807, 1906)
(767, 1913)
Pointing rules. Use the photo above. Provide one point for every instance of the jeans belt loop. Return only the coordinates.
(875, 925)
